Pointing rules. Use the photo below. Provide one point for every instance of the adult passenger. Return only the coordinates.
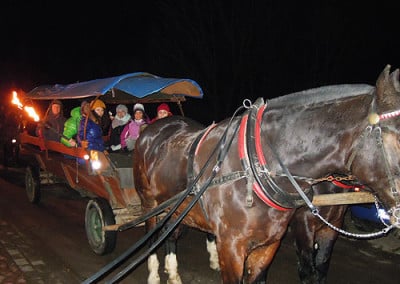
(71, 128)
(117, 126)
(98, 108)
(52, 126)
(89, 130)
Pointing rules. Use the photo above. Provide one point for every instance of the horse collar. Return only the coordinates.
(252, 157)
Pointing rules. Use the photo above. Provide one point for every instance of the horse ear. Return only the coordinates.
(394, 78)
(387, 89)
(381, 82)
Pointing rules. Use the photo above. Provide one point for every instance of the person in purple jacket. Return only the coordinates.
(132, 130)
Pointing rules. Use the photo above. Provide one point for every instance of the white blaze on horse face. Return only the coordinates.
(153, 265)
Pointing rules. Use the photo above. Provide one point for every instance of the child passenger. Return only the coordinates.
(163, 110)
(133, 128)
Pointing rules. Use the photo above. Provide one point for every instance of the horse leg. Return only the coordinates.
(212, 251)
(315, 242)
(257, 263)
(152, 261)
(306, 254)
(236, 268)
(214, 262)
(171, 263)
(324, 242)
(152, 265)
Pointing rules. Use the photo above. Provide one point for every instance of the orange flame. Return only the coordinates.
(29, 110)
(16, 100)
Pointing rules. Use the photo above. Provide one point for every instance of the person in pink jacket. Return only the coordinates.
(132, 130)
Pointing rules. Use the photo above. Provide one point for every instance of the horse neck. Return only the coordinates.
(315, 140)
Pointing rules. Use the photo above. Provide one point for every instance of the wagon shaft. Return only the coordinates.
(343, 198)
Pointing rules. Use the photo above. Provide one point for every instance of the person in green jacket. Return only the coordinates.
(71, 126)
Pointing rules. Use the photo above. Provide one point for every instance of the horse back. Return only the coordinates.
(161, 156)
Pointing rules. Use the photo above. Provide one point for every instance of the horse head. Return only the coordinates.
(377, 151)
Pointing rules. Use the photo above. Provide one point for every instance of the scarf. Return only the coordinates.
(120, 121)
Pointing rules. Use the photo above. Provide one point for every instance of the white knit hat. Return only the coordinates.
(122, 108)
(138, 107)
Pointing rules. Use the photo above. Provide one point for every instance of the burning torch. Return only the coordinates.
(28, 109)
(32, 113)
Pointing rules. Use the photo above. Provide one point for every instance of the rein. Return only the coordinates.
(223, 146)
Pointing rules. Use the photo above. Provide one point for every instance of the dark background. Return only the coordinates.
(233, 49)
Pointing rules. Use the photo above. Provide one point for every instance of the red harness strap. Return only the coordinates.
(242, 149)
(242, 138)
(356, 187)
(204, 137)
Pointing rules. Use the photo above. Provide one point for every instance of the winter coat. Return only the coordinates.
(52, 127)
(104, 122)
(94, 135)
(71, 126)
(117, 126)
(131, 133)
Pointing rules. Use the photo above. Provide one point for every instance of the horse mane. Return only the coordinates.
(321, 94)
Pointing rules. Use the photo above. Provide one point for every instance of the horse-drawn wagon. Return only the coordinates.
(246, 179)
(105, 178)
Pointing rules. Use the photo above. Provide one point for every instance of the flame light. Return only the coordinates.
(29, 110)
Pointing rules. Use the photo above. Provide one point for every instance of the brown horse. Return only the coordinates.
(264, 171)
(314, 240)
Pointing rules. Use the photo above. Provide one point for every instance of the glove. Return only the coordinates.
(115, 147)
(72, 142)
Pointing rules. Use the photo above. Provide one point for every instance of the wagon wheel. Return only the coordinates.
(99, 214)
(32, 184)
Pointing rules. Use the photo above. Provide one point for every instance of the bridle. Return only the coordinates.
(374, 129)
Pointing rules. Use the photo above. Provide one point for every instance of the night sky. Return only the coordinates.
(233, 49)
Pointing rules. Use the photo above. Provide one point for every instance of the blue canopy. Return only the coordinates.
(128, 88)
